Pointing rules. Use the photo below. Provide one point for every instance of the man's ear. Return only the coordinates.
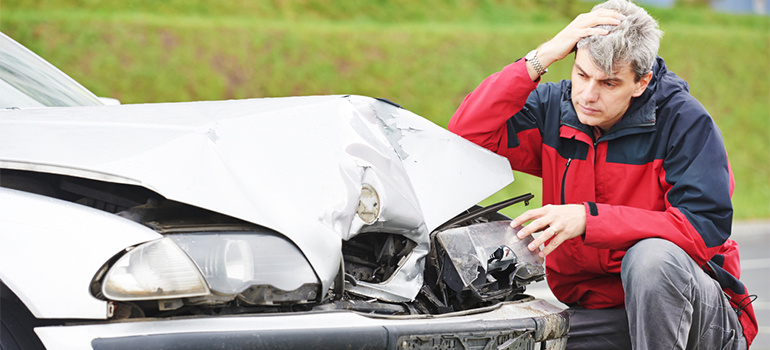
(641, 85)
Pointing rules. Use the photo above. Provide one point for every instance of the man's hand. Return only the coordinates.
(557, 222)
(583, 25)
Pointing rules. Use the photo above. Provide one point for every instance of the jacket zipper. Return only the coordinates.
(564, 181)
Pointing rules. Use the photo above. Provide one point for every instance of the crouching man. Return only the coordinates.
(636, 187)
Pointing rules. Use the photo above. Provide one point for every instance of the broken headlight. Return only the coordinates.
(256, 267)
(488, 259)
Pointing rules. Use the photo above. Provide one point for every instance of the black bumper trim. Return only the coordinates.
(382, 336)
(326, 338)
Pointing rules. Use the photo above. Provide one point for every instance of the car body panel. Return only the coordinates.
(295, 165)
(51, 250)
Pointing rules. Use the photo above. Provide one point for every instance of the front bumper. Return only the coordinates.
(520, 325)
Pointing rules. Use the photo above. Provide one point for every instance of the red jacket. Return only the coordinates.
(661, 171)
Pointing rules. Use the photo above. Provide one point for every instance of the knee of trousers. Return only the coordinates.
(656, 262)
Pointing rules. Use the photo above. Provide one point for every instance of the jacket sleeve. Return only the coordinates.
(486, 117)
(697, 180)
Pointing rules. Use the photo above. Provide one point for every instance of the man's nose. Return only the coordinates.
(590, 92)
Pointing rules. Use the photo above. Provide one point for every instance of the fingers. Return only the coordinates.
(605, 15)
(585, 24)
(593, 31)
(557, 239)
(601, 17)
(597, 18)
(529, 215)
(556, 224)
(544, 236)
(537, 225)
(526, 216)
(582, 26)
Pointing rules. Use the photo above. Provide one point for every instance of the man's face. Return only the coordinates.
(600, 99)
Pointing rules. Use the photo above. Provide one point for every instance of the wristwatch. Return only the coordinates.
(532, 58)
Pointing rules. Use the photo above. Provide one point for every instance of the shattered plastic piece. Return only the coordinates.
(474, 250)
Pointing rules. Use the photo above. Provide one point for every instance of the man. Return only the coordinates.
(636, 187)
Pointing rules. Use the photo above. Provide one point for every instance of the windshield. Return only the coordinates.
(26, 80)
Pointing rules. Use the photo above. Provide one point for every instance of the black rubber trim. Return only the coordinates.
(388, 102)
(372, 337)
(320, 338)
(486, 210)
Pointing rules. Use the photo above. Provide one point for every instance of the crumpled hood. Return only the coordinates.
(295, 165)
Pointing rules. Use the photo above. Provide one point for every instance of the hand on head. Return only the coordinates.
(582, 26)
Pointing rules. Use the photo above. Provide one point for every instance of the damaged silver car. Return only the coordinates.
(320, 222)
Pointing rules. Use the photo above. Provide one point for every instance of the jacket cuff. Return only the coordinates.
(520, 66)
(591, 210)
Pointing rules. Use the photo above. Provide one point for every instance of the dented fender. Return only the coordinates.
(51, 250)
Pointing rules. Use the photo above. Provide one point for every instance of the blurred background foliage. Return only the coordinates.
(425, 55)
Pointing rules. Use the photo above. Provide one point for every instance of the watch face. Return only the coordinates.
(530, 55)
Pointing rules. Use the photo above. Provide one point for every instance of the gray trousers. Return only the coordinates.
(670, 304)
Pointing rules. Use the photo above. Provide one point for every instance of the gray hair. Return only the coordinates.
(634, 41)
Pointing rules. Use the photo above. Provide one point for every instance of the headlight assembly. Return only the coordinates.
(233, 263)
(256, 267)
(489, 259)
(154, 270)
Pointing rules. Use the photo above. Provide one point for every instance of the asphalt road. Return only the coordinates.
(754, 241)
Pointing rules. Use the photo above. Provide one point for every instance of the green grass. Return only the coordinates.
(425, 55)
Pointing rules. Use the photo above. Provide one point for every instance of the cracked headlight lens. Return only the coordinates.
(478, 249)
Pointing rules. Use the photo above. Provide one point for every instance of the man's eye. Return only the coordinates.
(609, 85)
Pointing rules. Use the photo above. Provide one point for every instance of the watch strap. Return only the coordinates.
(532, 58)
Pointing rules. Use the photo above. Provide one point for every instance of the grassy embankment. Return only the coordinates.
(424, 55)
